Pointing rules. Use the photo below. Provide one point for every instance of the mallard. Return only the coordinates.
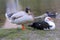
(15, 16)
(21, 17)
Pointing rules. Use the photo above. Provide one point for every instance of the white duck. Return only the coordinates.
(50, 22)
(20, 17)
(15, 16)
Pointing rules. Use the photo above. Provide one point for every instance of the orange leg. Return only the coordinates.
(23, 27)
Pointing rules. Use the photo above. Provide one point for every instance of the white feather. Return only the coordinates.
(51, 23)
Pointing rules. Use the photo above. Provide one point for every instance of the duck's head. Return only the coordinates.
(47, 19)
(28, 10)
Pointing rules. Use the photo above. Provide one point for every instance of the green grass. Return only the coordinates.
(14, 33)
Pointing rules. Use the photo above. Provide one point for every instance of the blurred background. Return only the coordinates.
(2, 12)
(38, 7)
